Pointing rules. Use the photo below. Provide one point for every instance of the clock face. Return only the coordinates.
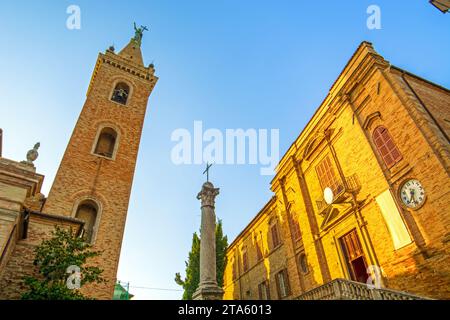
(412, 194)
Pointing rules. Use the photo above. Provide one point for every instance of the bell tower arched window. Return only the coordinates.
(121, 93)
(106, 142)
(386, 146)
(87, 211)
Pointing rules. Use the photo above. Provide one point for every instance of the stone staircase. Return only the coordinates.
(341, 289)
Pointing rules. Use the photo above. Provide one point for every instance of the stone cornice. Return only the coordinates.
(142, 73)
(363, 62)
(267, 207)
(59, 218)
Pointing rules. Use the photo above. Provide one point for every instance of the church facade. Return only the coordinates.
(361, 196)
(92, 186)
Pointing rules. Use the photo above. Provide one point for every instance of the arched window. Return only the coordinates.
(87, 211)
(386, 146)
(106, 142)
(303, 263)
(120, 93)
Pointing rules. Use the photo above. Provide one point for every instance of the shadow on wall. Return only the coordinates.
(424, 276)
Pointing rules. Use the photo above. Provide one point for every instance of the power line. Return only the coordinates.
(150, 288)
(127, 283)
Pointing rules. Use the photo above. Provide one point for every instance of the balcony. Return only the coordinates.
(341, 289)
(341, 191)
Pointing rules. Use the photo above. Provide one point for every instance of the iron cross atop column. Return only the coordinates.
(207, 170)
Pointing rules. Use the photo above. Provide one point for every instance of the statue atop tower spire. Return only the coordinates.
(138, 33)
(132, 51)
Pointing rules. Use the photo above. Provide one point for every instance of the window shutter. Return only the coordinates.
(296, 233)
(259, 254)
(267, 289)
(275, 237)
(260, 291)
(386, 146)
(277, 282)
(327, 176)
(245, 260)
(286, 282)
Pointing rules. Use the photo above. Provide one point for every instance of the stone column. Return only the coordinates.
(208, 288)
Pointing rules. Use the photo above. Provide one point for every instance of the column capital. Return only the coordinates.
(208, 194)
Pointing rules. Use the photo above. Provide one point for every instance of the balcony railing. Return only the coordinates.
(341, 289)
(341, 189)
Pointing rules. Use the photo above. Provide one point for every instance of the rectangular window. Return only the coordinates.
(234, 266)
(397, 228)
(264, 290)
(275, 235)
(244, 259)
(327, 177)
(282, 281)
(259, 254)
(296, 234)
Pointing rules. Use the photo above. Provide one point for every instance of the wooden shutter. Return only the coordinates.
(264, 290)
(245, 260)
(267, 287)
(275, 236)
(277, 282)
(296, 234)
(259, 254)
(352, 245)
(260, 291)
(386, 146)
(286, 282)
(327, 177)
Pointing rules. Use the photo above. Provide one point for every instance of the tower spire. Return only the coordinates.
(132, 50)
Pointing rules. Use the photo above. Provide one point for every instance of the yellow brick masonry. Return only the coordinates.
(368, 93)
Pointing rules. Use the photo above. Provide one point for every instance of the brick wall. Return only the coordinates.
(368, 93)
(83, 175)
(20, 262)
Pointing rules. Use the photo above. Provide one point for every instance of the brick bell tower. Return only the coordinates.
(94, 179)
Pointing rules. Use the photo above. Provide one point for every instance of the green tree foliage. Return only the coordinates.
(53, 257)
(192, 279)
(190, 283)
(221, 249)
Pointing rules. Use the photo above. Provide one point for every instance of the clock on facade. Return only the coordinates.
(412, 194)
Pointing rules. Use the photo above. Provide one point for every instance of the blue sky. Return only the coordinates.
(231, 64)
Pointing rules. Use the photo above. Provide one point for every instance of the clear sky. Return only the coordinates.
(231, 64)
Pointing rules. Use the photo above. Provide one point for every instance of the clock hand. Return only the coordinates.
(412, 197)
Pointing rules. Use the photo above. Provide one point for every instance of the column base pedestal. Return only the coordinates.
(208, 292)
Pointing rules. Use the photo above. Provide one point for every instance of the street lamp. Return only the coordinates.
(443, 5)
